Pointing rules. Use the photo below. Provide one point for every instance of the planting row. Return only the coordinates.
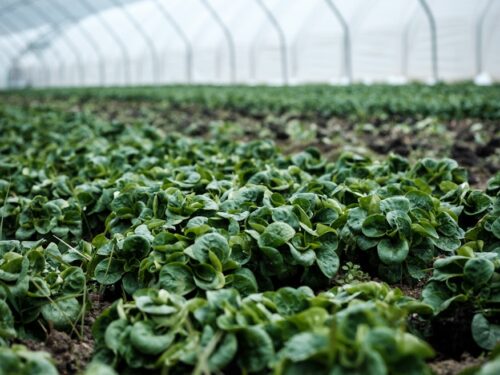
(225, 253)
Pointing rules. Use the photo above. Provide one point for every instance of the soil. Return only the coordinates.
(414, 291)
(453, 367)
(70, 352)
(474, 144)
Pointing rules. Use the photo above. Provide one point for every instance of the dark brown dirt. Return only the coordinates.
(451, 336)
(453, 367)
(475, 145)
(414, 291)
(71, 352)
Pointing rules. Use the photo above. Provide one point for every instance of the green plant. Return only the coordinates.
(469, 280)
(351, 273)
(19, 360)
(357, 327)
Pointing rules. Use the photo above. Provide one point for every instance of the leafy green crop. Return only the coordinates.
(353, 328)
(444, 101)
(224, 252)
(37, 282)
(19, 360)
(469, 279)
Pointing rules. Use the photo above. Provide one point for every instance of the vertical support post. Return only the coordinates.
(8, 60)
(102, 21)
(479, 37)
(23, 49)
(346, 41)
(149, 42)
(189, 48)
(434, 47)
(281, 35)
(13, 59)
(294, 50)
(59, 59)
(74, 49)
(88, 36)
(405, 48)
(227, 35)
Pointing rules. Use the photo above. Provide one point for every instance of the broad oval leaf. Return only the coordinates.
(393, 250)
(478, 271)
(485, 334)
(62, 313)
(145, 340)
(276, 234)
(108, 271)
(134, 246)
(257, 349)
(374, 226)
(213, 242)
(176, 278)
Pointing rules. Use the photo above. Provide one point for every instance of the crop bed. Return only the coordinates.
(243, 230)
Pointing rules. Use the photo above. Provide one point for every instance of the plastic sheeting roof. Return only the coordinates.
(113, 42)
(19, 15)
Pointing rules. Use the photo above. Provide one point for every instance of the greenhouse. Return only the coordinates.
(123, 42)
(250, 187)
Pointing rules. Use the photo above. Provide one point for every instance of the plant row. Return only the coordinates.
(357, 102)
(225, 252)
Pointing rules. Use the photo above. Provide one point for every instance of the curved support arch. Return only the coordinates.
(283, 46)
(227, 35)
(294, 47)
(88, 36)
(4, 80)
(23, 49)
(74, 50)
(434, 47)
(347, 39)
(57, 55)
(12, 60)
(149, 42)
(479, 37)
(189, 47)
(102, 21)
(406, 42)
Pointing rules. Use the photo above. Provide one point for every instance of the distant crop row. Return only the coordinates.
(415, 101)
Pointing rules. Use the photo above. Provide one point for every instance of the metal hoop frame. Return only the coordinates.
(149, 42)
(282, 39)
(71, 46)
(178, 29)
(90, 39)
(227, 34)
(45, 77)
(479, 37)
(346, 40)
(434, 45)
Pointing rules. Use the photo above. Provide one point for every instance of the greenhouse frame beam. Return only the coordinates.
(227, 34)
(55, 52)
(346, 41)
(434, 46)
(23, 49)
(479, 37)
(93, 43)
(406, 43)
(178, 29)
(102, 21)
(12, 59)
(67, 41)
(149, 42)
(281, 35)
